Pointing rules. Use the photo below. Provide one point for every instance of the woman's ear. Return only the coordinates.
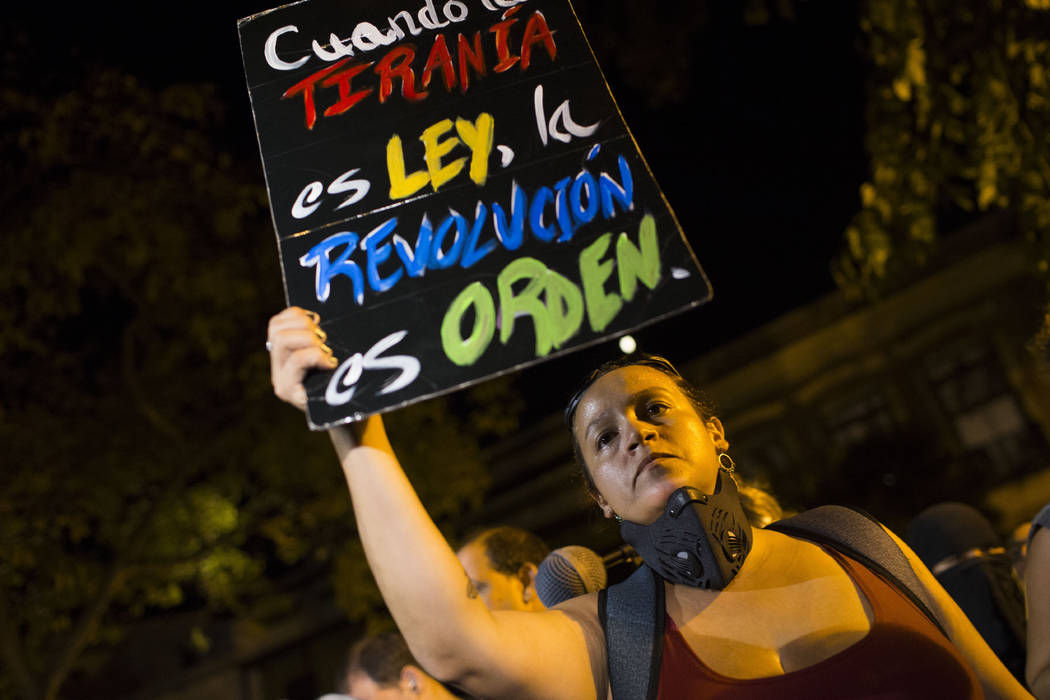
(718, 433)
(607, 510)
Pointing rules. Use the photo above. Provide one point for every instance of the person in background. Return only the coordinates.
(1037, 586)
(381, 667)
(1017, 546)
(968, 558)
(502, 563)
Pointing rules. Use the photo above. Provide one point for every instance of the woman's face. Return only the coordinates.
(641, 439)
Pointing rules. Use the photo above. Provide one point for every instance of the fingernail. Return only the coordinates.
(321, 334)
(332, 361)
(313, 315)
(325, 349)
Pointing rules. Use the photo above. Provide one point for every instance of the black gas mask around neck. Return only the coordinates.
(700, 540)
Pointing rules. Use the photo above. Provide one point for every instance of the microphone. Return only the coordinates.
(568, 572)
(624, 554)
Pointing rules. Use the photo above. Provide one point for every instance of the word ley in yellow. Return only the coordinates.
(476, 136)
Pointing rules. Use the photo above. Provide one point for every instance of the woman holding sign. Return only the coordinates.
(719, 609)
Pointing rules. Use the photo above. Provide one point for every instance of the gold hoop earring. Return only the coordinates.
(726, 463)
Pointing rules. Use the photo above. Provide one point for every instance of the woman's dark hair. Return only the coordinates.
(705, 407)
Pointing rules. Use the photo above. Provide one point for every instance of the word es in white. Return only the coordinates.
(310, 197)
(343, 383)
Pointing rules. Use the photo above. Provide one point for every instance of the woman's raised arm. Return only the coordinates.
(448, 628)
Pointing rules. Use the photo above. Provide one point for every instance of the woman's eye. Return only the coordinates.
(604, 439)
(655, 409)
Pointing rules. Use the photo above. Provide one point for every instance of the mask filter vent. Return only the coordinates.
(699, 541)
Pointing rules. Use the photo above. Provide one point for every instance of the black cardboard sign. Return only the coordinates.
(454, 192)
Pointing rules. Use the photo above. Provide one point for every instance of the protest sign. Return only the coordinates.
(454, 192)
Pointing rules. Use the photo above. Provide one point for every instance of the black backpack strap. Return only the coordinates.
(632, 616)
(861, 538)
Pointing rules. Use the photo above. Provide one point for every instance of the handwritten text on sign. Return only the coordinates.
(454, 191)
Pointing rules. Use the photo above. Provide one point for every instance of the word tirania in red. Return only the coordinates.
(398, 64)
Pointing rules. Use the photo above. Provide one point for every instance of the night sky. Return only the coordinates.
(758, 146)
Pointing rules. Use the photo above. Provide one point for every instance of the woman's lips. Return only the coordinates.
(649, 462)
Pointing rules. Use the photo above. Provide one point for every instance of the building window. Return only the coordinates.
(971, 387)
(857, 419)
(990, 423)
(762, 454)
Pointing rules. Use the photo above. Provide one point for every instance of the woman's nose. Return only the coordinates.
(640, 433)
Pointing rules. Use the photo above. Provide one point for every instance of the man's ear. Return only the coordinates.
(718, 433)
(527, 576)
(412, 679)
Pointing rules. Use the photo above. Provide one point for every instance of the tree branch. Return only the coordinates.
(82, 634)
(147, 409)
(11, 651)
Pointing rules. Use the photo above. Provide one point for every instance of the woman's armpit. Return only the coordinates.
(583, 610)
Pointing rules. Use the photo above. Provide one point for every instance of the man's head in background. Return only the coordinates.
(501, 563)
(382, 668)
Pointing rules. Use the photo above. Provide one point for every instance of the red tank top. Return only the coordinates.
(903, 656)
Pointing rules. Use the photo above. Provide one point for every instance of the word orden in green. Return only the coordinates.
(556, 304)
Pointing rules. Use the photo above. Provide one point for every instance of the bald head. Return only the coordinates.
(501, 563)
